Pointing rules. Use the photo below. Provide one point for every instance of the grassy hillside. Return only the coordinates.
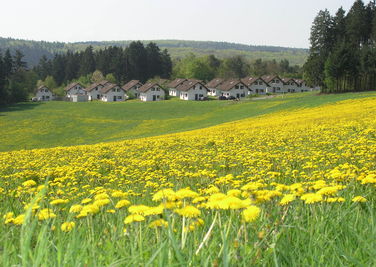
(33, 50)
(292, 188)
(41, 125)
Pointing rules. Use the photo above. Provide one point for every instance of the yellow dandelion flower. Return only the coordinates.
(19, 219)
(189, 211)
(29, 183)
(122, 203)
(59, 201)
(46, 214)
(158, 223)
(251, 213)
(67, 226)
(359, 199)
(165, 194)
(134, 218)
(86, 200)
(287, 199)
(75, 208)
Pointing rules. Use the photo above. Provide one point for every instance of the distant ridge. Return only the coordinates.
(34, 50)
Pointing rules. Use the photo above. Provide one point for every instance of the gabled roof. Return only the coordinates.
(104, 82)
(286, 80)
(70, 86)
(269, 78)
(214, 83)
(147, 86)
(42, 86)
(92, 87)
(175, 83)
(189, 84)
(130, 84)
(299, 81)
(250, 80)
(230, 84)
(108, 87)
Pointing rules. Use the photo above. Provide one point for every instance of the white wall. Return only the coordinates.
(241, 92)
(154, 91)
(76, 90)
(44, 95)
(116, 92)
(93, 94)
(133, 91)
(198, 90)
(258, 87)
(173, 92)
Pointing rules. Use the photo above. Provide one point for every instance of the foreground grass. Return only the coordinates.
(292, 188)
(43, 125)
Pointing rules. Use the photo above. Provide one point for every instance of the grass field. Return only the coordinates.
(294, 187)
(42, 125)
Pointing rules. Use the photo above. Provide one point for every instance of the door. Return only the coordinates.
(196, 96)
(154, 97)
(114, 98)
(237, 96)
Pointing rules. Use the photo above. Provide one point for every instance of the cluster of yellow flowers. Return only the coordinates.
(322, 155)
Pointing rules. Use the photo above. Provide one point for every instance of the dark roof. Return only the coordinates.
(92, 87)
(70, 86)
(269, 78)
(108, 87)
(130, 84)
(43, 86)
(147, 86)
(189, 84)
(104, 82)
(286, 80)
(229, 84)
(175, 83)
(214, 83)
(299, 81)
(250, 80)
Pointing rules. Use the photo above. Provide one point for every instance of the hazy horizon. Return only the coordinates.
(267, 23)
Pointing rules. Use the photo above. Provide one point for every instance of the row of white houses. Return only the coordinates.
(185, 89)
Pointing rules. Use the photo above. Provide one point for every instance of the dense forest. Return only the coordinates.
(342, 56)
(16, 82)
(34, 50)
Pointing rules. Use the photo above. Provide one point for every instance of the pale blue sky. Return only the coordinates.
(258, 22)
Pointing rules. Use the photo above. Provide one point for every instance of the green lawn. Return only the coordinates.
(41, 125)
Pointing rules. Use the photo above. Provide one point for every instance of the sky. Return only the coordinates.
(256, 22)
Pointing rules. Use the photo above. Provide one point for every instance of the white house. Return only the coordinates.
(112, 93)
(302, 86)
(151, 92)
(94, 91)
(276, 85)
(213, 86)
(233, 88)
(74, 89)
(44, 94)
(291, 86)
(172, 86)
(256, 85)
(79, 98)
(131, 88)
(192, 90)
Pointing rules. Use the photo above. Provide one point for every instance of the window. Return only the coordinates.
(119, 97)
(113, 89)
(157, 89)
(241, 87)
(237, 87)
(200, 87)
(153, 89)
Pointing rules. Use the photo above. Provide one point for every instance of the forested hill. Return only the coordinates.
(33, 50)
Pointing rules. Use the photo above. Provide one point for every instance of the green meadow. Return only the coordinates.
(51, 124)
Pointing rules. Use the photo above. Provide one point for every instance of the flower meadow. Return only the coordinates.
(290, 188)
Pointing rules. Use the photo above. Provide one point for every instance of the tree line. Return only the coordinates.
(133, 62)
(208, 67)
(16, 82)
(342, 54)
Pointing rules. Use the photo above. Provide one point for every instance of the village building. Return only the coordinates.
(172, 86)
(94, 91)
(74, 89)
(256, 85)
(302, 86)
(213, 86)
(151, 92)
(131, 88)
(44, 94)
(291, 86)
(275, 84)
(192, 90)
(112, 93)
(233, 88)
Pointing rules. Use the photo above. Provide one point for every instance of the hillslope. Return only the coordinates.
(51, 124)
(33, 50)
